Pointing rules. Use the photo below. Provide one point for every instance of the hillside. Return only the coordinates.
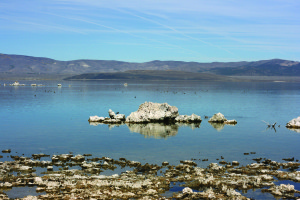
(19, 64)
(152, 75)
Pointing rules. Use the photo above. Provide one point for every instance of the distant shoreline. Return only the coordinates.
(40, 77)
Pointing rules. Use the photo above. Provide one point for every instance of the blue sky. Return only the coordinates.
(145, 30)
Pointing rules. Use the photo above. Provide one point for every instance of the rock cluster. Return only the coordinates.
(294, 123)
(148, 112)
(141, 181)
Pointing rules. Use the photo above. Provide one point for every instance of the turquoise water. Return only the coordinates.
(52, 120)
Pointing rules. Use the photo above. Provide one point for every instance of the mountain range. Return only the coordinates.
(20, 64)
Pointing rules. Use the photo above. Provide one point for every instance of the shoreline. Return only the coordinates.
(62, 77)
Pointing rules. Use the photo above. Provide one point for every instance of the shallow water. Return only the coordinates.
(53, 120)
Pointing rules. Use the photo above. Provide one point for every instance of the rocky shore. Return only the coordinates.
(79, 177)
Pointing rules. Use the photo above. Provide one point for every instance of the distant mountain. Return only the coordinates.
(275, 67)
(152, 75)
(18, 64)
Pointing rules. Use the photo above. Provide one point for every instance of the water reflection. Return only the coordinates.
(220, 126)
(297, 130)
(154, 130)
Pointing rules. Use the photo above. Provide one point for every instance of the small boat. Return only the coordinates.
(59, 85)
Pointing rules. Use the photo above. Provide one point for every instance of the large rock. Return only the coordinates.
(294, 123)
(217, 118)
(153, 112)
(188, 118)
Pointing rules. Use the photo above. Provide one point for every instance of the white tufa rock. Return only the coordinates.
(232, 192)
(96, 119)
(153, 112)
(235, 163)
(232, 121)
(217, 118)
(112, 115)
(215, 166)
(187, 118)
(294, 123)
(187, 190)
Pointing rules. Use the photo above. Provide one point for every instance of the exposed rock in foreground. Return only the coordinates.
(141, 181)
(153, 112)
(294, 123)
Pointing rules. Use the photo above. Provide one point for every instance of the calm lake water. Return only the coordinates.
(54, 120)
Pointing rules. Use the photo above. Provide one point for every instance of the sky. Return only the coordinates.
(146, 30)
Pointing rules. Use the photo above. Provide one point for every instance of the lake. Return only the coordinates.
(54, 120)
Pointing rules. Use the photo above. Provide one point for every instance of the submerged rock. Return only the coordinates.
(6, 151)
(153, 112)
(232, 121)
(294, 123)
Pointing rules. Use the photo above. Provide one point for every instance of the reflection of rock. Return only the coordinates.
(110, 125)
(156, 130)
(295, 129)
(153, 112)
(217, 118)
(191, 125)
(188, 119)
(220, 126)
(294, 123)
(94, 123)
(217, 126)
